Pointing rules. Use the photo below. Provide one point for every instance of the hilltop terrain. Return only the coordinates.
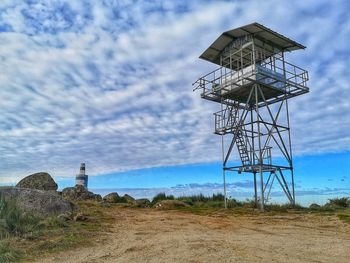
(76, 225)
(152, 235)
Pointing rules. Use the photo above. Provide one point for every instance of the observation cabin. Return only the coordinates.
(252, 85)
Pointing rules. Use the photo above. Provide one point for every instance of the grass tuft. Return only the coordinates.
(13, 221)
(54, 222)
(8, 253)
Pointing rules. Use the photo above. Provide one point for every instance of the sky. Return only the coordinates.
(109, 83)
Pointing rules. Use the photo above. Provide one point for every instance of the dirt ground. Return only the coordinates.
(150, 235)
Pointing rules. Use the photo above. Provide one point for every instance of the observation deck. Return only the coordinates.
(249, 55)
(235, 85)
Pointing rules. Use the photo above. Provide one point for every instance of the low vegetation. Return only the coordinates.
(343, 202)
(160, 197)
(8, 253)
(201, 204)
(24, 236)
(217, 201)
(15, 223)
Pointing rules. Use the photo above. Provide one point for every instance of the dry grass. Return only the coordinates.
(54, 234)
(57, 235)
(209, 234)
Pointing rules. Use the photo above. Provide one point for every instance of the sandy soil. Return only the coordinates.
(149, 235)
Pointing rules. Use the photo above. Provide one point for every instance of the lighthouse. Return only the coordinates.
(82, 178)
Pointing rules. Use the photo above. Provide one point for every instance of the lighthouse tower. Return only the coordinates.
(82, 178)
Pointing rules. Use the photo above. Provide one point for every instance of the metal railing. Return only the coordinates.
(225, 120)
(293, 74)
(276, 71)
(266, 153)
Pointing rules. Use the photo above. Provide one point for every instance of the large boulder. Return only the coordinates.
(129, 199)
(39, 202)
(112, 198)
(79, 193)
(39, 181)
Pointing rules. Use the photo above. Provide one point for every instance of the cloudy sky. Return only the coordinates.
(109, 83)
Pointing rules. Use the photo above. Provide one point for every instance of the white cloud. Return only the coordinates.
(111, 85)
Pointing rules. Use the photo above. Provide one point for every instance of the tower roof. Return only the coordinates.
(259, 31)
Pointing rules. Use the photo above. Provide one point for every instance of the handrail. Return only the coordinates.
(293, 76)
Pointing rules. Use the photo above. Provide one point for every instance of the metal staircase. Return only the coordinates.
(226, 121)
(242, 149)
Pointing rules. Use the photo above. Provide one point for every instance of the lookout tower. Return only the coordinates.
(252, 86)
(82, 178)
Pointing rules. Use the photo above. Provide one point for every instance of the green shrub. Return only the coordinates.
(162, 196)
(202, 198)
(8, 253)
(315, 206)
(218, 197)
(191, 199)
(282, 207)
(214, 201)
(277, 207)
(339, 202)
(232, 203)
(250, 203)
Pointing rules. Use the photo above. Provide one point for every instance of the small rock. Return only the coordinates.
(80, 217)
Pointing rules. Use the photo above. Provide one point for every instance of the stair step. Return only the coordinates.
(242, 149)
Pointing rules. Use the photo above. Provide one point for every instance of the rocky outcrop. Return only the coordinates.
(39, 181)
(112, 198)
(79, 193)
(39, 202)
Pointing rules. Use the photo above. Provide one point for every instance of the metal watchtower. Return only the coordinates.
(252, 86)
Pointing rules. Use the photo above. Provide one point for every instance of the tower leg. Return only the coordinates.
(293, 193)
(262, 208)
(260, 146)
(255, 192)
(223, 161)
(225, 197)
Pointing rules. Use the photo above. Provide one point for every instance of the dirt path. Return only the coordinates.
(149, 235)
